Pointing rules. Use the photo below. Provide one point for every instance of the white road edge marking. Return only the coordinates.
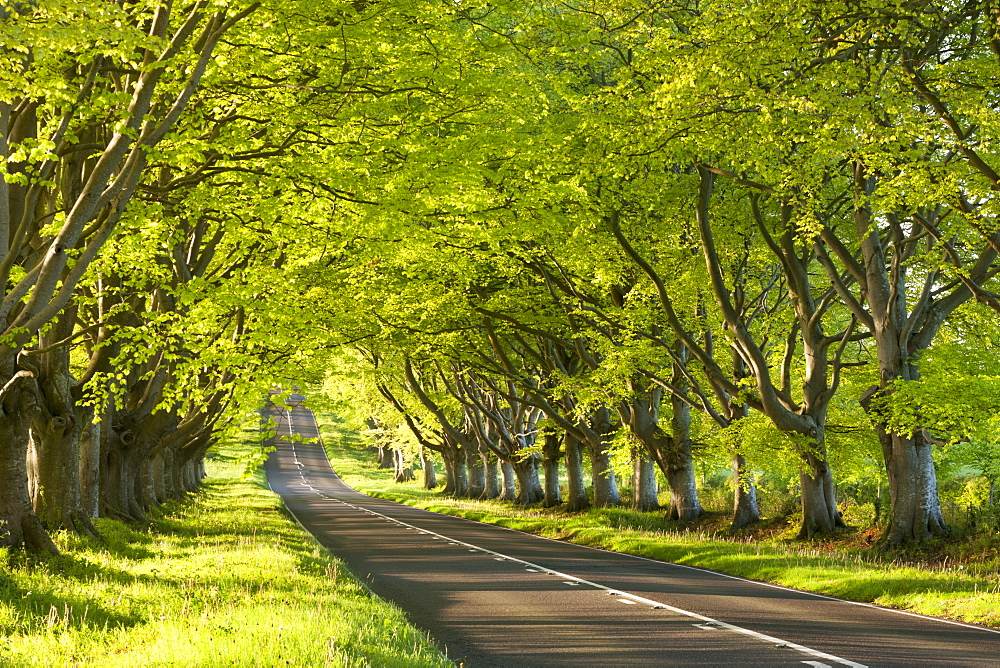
(705, 570)
(632, 598)
(639, 599)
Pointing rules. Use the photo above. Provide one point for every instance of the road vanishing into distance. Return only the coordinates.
(497, 597)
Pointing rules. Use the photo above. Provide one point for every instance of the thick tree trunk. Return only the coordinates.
(916, 510)
(57, 428)
(745, 510)
(385, 457)
(671, 452)
(644, 496)
(529, 489)
(403, 473)
(819, 501)
(90, 469)
(449, 474)
(605, 484)
(18, 523)
(684, 504)
(455, 464)
(476, 473)
(576, 492)
(508, 482)
(427, 468)
(492, 489)
(551, 452)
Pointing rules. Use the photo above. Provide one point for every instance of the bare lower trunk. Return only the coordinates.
(576, 492)
(449, 475)
(508, 482)
(916, 510)
(492, 488)
(56, 431)
(684, 503)
(529, 489)
(644, 496)
(476, 473)
(745, 510)
(18, 523)
(603, 476)
(459, 477)
(553, 494)
(385, 457)
(551, 451)
(90, 472)
(819, 501)
(402, 472)
(158, 468)
(427, 468)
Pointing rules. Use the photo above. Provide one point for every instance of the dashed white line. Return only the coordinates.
(632, 599)
(628, 598)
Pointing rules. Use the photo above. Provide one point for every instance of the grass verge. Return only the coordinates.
(223, 579)
(957, 578)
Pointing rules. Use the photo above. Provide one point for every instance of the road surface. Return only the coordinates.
(498, 597)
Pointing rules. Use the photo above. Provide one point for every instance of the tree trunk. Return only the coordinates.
(915, 513)
(19, 525)
(603, 477)
(492, 489)
(819, 500)
(644, 495)
(508, 482)
(476, 473)
(455, 464)
(529, 489)
(551, 451)
(576, 493)
(449, 474)
(56, 430)
(403, 473)
(745, 510)
(427, 468)
(90, 469)
(385, 457)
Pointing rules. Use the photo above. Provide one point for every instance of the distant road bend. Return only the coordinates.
(498, 597)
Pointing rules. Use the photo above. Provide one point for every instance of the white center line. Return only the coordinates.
(633, 599)
(626, 597)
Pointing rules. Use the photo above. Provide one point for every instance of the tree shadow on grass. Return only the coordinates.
(40, 610)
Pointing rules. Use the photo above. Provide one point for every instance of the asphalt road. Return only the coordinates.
(498, 597)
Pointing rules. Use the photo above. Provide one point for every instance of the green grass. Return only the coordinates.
(223, 579)
(958, 579)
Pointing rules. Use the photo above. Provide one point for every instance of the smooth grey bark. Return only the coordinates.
(529, 488)
(402, 471)
(19, 525)
(745, 510)
(492, 489)
(551, 452)
(429, 476)
(508, 482)
(644, 492)
(476, 472)
(576, 487)
(90, 472)
(602, 475)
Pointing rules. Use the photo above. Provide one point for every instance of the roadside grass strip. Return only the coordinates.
(966, 590)
(223, 579)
